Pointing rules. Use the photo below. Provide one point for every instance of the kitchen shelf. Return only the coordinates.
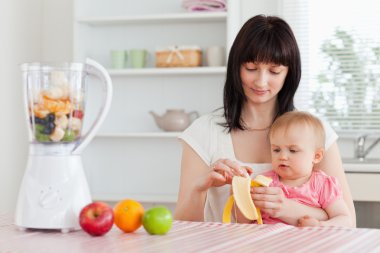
(167, 71)
(154, 18)
(139, 135)
(130, 156)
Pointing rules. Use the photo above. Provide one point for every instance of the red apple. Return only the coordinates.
(96, 218)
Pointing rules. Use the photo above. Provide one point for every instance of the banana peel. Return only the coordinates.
(241, 187)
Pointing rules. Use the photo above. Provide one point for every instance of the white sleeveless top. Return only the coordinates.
(212, 142)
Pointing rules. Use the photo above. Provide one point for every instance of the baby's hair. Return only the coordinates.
(296, 118)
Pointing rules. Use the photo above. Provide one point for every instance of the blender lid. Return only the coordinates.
(40, 66)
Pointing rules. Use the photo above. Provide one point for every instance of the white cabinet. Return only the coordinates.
(131, 157)
(364, 186)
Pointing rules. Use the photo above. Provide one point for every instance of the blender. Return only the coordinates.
(54, 188)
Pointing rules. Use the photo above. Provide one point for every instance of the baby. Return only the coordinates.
(297, 144)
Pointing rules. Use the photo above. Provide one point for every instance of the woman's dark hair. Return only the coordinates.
(266, 39)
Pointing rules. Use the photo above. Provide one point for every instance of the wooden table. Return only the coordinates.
(193, 237)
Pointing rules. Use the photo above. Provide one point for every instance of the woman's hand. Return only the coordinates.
(221, 172)
(196, 178)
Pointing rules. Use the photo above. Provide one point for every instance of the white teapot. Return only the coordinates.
(174, 119)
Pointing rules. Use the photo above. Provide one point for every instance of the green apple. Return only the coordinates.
(157, 220)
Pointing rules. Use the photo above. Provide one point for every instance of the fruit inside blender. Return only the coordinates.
(56, 111)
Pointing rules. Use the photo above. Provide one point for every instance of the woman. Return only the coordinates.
(263, 74)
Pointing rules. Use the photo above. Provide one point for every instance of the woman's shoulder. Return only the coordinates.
(208, 128)
(205, 134)
(208, 121)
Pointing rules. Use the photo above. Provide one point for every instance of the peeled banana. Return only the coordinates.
(241, 187)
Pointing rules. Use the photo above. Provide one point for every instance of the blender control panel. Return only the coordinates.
(46, 196)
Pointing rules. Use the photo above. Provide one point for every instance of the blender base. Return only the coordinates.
(53, 192)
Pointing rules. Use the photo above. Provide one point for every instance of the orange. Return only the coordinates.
(128, 215)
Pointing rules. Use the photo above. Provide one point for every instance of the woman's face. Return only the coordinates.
(261, 81)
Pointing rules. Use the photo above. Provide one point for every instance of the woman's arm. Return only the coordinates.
(332, 166)
(192, 194)
(196, 178)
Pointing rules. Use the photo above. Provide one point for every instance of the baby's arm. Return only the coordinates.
(338, 213)
(273, 201)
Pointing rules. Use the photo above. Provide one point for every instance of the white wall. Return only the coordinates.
(57, 27)
(30, 30)
(251, 8)
(20, 31)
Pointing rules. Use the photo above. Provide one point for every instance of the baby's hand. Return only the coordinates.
(308, 221)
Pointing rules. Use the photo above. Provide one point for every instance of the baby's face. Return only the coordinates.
(293, 152)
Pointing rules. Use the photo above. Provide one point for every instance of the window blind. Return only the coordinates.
(340, 51)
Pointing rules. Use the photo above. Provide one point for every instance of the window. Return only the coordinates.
(340, 51)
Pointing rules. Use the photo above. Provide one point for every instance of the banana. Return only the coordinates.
(261, 180)
(242, 197)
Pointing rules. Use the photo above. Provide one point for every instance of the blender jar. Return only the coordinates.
(55, 98)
